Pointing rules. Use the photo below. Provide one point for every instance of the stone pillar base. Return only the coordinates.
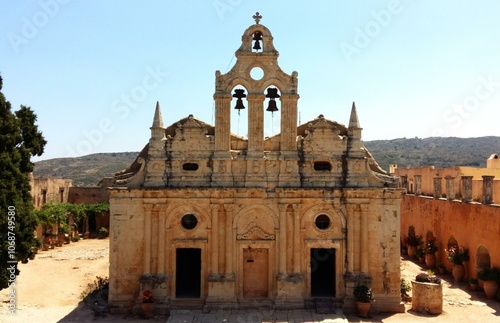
(290, 288)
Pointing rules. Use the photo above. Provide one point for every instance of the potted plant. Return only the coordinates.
(363, 295)
(441, 268)
(427, 293)
(103, 233)
(413, 241)
(62, 235)
(473, 283)
(420, 254)
(457, 256)
(490, 276)
(405, 289)
(430, 249)
(148, 304)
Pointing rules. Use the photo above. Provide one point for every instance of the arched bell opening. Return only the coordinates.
(272, 111)
(257, 43)
(239, 111)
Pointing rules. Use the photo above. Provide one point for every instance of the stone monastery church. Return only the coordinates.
(207, 219)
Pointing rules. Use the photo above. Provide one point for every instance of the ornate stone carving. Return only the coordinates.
(255, 233)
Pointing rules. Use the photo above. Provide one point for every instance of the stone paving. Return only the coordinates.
(255, 316)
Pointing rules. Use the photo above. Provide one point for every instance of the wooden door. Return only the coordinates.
(255, 272)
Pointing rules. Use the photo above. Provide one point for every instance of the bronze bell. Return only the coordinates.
(239, 94)
(272, 93)
(257, 36)
(239, 105)
(272, 106)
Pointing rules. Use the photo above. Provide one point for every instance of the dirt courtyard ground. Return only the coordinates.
(49, 289)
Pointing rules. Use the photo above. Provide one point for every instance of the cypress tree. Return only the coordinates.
(20, 139)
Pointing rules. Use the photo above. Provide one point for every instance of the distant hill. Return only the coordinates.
(86, 170)
(435, 151)
(439, 152)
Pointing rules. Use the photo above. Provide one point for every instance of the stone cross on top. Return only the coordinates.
(257, 17)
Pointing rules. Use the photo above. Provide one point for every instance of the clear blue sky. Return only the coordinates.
(414, 68)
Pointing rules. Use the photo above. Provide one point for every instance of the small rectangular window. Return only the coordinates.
(322, 166)
(190, 166)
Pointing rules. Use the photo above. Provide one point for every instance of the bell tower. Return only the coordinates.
(256, 52)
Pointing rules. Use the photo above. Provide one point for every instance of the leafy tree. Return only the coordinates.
(19, 141)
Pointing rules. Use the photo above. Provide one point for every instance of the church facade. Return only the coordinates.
(208, 219)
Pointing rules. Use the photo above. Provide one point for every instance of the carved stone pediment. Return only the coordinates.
(255, 233)
(191, 128)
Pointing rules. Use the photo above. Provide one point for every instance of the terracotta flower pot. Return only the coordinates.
(458, 272)
(490, 288)
(148, 309)
(411, 252)
(363, 309)
(430, 260)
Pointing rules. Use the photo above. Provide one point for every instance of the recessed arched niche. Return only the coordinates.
(483, 259)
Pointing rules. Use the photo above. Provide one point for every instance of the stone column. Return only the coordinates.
(404, 182)
(466, 189)
(488, 189)
(215, 238)
(296, 242)
(418, 184)
(229, 239)
(282, 239)
(161, 239)
(222, 122)
(350, 240)
(288, 122)
(147, 239)
(357, 239)
(450, 187)
(437, 187)
(364, 238)
(255, 124)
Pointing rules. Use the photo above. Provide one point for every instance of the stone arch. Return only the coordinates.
(274, 82)
(247, 38)
(175, 215)
(238, 81)
(334, 214)
(483, 259)
(256, 215)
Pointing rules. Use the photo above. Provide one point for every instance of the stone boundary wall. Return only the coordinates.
(473, 225)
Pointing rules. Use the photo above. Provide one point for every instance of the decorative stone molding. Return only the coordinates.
(255, 233)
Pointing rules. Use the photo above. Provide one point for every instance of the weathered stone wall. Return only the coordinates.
(472, 225)
(428, 173)
(146, 230)
(49, 190)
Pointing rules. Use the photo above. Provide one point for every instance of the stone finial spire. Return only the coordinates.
(158, 119)
(353, 120)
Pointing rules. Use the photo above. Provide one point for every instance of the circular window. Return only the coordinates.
(189, 221)
(256, 73)
(322, 222)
